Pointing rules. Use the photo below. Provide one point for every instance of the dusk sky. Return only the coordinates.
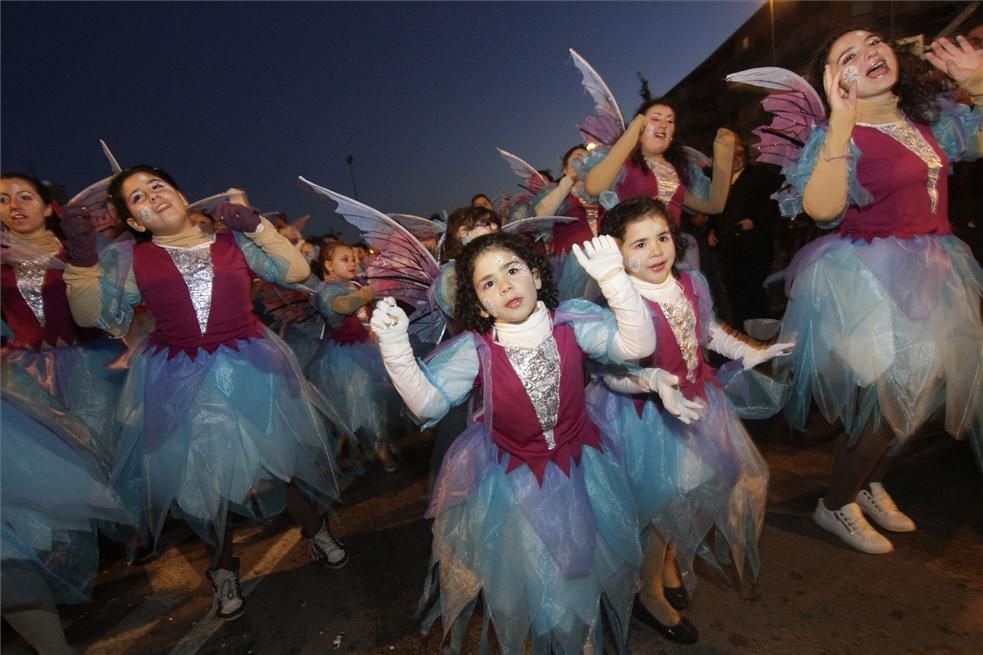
(255, 94)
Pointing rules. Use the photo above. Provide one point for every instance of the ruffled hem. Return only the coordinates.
(546, 560)
(886, 331)
(354, 376)
(231, 429)
(54, 492)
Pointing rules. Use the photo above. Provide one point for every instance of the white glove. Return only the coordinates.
(391, 325)
(600, 257)
(759, 355)
(664, 383)
(730, 346)
(602, 260)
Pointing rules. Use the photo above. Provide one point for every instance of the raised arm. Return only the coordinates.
(602, 177)
(723, 171)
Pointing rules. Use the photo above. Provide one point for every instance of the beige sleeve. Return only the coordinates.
(825, 195)
(276, 245)
(602, 177)
(723, 171)
(351, 303)
(552, 200)
(85, 297)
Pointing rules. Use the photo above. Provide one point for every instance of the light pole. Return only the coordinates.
(351, 169)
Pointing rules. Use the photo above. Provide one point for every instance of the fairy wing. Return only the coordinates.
(19, 251)
(536, 227)
(421, 228)
(113, 163)
(608, 124)
(697, 158)
(404, 268)
(795, 107)
(208, 205)
(532, 180)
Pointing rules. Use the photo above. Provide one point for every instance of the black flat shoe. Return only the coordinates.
(677, 597)
(683, 632)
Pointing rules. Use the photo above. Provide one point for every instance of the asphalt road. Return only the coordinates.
(814, 595)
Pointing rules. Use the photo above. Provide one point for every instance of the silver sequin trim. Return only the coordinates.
(539, 370)
(908, 135)
(682, 320)
(30, 283)
(195, 266)
(666, 175)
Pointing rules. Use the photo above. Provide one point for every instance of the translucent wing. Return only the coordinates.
(795, 107)
(18, 251)
(604, 101)
(113, 163)
(284, 306)
(208, 205)
(697, 157)
(536, 226)
(421, 228)
(404, 268)
(94, 195)
(532, 180)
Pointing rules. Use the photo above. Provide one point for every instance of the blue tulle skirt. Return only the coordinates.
(887, 331)
(696, 484)
(75, 380)
(54, 492)
(547, 560)
(303, 337)
(354, 378)
(222, 432)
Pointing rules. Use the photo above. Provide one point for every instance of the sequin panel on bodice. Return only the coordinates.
(195, 266)
(30, 283)
(666, 176)
(682, 321)
(905, 133)
(539, 370)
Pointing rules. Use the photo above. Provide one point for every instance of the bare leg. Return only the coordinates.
(854, 465)
(41, 627)
(651, 594)
(671, 576)
(303, 511)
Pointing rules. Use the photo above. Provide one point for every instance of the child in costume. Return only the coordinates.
(215, 415)
(886, 309)
(693, 466)
(532, 512)
(46, 356)
(347, 367)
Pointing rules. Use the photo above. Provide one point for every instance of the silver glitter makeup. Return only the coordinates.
(144, 214)
(850, 75)
(634, 263)
(489, 307)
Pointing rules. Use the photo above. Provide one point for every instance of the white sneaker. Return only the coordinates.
(878, 505)
(229, 604)
(848, 523)
(326, 549)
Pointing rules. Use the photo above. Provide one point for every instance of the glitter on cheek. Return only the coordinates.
(634, 263)
(489, 307)
(850, 75)
(144, 214)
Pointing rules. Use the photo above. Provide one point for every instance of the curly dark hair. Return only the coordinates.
(675, 154)
(468, 305)
(917, 87)
(616, 221)
(466, 218)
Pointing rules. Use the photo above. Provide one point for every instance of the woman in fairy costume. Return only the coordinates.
(886, 309)
(532, 512)
(47, 357)
(215, 416)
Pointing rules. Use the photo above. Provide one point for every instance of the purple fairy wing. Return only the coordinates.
(208, 205)
(795, 107)
(532, 180)
(18, 251)
(604, 101)
(404, 268)
(113, 163)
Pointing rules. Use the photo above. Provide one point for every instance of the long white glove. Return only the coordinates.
(664, 383)
(602, 260)
(391, 326)
(730, 346)
(657, 380)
